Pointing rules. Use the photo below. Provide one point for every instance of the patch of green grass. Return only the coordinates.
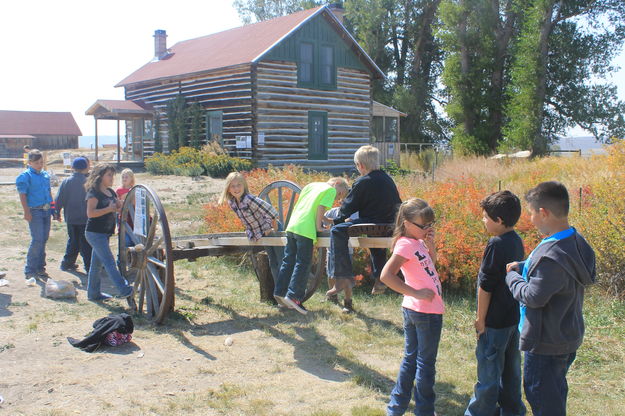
(6, 347)
(18, 304)
(367, 411)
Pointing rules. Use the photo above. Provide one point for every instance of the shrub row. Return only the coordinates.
(596, 187)
(191, 162)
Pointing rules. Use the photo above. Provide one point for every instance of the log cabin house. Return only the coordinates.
(38, 129)
(296, 89)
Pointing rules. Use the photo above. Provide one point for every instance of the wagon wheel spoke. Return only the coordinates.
(155, 245)
(141, 293)
(152, 230)
(155, 276)
(157, 262)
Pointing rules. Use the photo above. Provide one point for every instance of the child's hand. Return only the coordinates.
(425, 294)
(28, 216)
(512, 266)
(480, 327)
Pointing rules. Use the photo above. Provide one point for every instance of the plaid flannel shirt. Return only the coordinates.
(256, 215)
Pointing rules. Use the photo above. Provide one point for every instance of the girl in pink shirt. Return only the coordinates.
(414, 253)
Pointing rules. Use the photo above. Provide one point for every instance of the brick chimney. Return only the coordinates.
(160, 44)
(337, 10)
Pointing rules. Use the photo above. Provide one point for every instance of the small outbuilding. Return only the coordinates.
(38, 129)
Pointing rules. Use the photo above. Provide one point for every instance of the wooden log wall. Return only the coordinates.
(281, 113)
(228, 90)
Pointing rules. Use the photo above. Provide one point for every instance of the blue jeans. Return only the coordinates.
(339, 259)
(76, 243)
(295, 268)
(422, 332)
(39, 227)
(498, 387)
(275, 255)
(102, 260)
(544, 381)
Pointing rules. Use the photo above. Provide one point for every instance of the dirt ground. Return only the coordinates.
(165, 370)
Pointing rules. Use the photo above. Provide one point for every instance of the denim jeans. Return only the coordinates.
(295, 268)
(544, 381)
(76, 243)
(340, 262)
(498, 387)
(422, 332)
(39, 227)
(102, 260)
(275, 255)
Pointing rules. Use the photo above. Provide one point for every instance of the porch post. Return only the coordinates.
(118, 145)
(96, 139)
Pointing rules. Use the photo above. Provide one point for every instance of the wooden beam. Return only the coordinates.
(242, 241)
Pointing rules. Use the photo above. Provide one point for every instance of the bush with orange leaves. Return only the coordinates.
(460, 234)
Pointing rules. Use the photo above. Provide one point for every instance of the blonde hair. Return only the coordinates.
(340, 184)
(226, 195)
(130, 174)
(368, 157)
(411, 210)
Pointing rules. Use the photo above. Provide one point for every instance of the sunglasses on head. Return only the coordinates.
(423, 227)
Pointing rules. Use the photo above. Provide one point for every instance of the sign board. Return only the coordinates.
(140, 207)
(67, 159)
(391, 148)
(243, 142)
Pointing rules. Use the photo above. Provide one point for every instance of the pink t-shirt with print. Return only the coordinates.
(419, 273)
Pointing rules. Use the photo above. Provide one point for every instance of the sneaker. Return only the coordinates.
(296, 304)
(282, 301)
(378, 288)
(30, 281)
(70, 268)
(101, 296)
(348, 307)
(42, 276)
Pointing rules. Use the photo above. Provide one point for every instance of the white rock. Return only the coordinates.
(228, 341)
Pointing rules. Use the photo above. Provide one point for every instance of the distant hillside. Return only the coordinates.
(89, 141)
(587, 144)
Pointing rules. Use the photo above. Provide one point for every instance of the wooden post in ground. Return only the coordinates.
(263, 273)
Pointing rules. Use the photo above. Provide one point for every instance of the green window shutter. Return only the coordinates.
(317, 135)
(214, 127)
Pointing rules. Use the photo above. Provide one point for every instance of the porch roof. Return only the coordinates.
(119, 110)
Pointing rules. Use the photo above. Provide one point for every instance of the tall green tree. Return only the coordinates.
(558, 78)
(177, 123)
(477, 37)
(398, 36)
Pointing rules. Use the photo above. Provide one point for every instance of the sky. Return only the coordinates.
(64, 55)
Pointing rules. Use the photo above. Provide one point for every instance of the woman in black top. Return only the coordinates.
(102, 208)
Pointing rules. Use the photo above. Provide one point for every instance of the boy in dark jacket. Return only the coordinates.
(550, 287)
(376, 199)
(71, 199)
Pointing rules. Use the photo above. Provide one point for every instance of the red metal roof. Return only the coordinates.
(37, 123)
(224, 49)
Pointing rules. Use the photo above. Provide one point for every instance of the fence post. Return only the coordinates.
(580, 199)
(499, 185)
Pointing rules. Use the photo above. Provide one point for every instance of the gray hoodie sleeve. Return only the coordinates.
(544, 282)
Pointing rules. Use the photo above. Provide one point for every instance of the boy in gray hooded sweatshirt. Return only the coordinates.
(550, 287)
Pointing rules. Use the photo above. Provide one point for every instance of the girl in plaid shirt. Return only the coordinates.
(258, 216)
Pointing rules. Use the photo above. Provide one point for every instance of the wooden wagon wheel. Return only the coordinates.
(146, 259)
(282, 195)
